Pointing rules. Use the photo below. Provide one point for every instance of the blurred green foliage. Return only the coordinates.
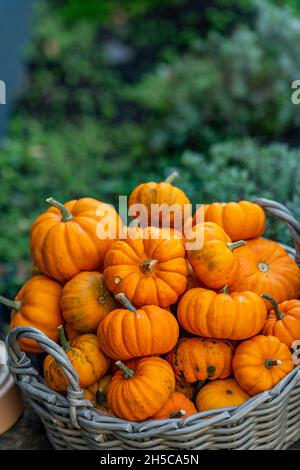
(124, 92)
(228, 86)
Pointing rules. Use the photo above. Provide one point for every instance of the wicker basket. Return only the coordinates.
(269, 420)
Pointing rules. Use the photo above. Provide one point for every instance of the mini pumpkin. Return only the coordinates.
(223, 315)
(178, 406)
(96, 393)
(260, 363)
(74, 237)
(195, 359)
(138, 394)
(85, 301)
(36, 305)
(85, 356)
(127, 333)
(283, 321)
(264, 266)
(222, 393)
(241, 220)
(149, 267)
(152, 195)
(214, 263)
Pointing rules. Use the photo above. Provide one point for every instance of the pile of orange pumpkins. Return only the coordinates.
(153, 328)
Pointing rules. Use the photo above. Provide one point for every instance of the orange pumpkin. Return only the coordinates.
(260, 363)
(266, 267)
(241, 220)
(138, 394)
(96, 393)
(195, 359)
(149, 267)
(223, 393)
(283, 321)
(127, 333)
(74, 237)
(236, 316)
(214, 263)
(36, 305)
(155, 194)
(85, 356)
(178, 406)
(85, 301)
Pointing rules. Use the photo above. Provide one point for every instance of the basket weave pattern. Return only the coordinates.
(269, 420)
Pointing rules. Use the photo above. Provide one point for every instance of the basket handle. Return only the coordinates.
(20, 364)
(284, 214)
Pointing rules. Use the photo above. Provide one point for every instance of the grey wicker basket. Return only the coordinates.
(270, 420)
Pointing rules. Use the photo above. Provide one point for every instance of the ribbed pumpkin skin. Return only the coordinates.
(175, 404)
(149, 331)
(85, 301)
(199, 359)
(241, 220)
(220, 394)
(215, 265)
(86, 358)
(280, 276)
(159, 193)
(287, 330)
(235, 316)
(249, 364)
(40, 309)
(163, 284)
(141, 396)
(61, 249)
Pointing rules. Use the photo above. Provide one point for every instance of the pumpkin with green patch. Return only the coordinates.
(198, 359)
(85, 301)
(221, 394)
(85, 356)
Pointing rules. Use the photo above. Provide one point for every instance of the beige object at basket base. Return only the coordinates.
(11, 402)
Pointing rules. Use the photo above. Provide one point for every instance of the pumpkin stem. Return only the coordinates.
(128, 373)
(173, 176)
(269, 363)
(147, 266)
(233, 245)
(125, 302)
(177, 414)
(66, 216)
(14, 304)
(225, 290)
(278, 313)
(63, 339)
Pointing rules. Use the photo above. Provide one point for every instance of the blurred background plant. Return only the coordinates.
(120, 92)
